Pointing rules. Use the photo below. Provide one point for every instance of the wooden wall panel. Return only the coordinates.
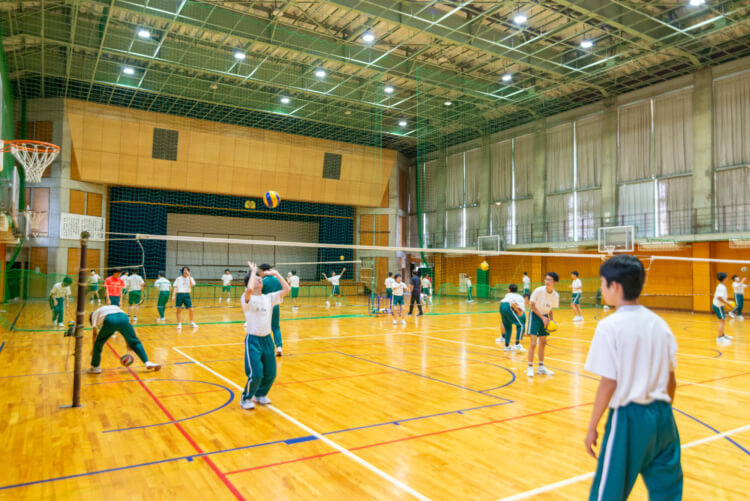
(38, 260)
(77, 202)
(94, 204)
(113, 146)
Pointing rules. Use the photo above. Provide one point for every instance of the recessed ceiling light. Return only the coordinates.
(586, 44)
(213, 86)
(402, 123)
(520, 19)
(347, 112)
(128, 70)
(498, 203)
(284, 100)
(697, 3)
(320, 73)
(447, 103)
(506, 78)
(144, 33)
(388, 89)
(368, 37)
(239, 56)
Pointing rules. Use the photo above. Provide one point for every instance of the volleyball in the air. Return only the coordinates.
(744, 269)
(272, 199)
(484, 266)
(341, 258)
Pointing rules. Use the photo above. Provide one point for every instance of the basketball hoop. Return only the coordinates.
(35, 156)
(32, 222)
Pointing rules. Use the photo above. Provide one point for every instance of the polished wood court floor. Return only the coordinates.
(362, 409)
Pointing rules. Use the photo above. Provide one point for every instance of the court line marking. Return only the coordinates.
(320, 437)
(585, 476)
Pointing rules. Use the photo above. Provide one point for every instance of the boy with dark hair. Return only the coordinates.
(577, 288)
(107, 320)
(739, 296)
(294, 284)
(543, 300)
(721, 299)
(335, 289)
(271, 284)
(512, 313)
(415, 287)
(634, 353)
(526, 283)
(260, 364)
(163, 286)
(389, 281)
(226, 286)
(114, 286)
(135, 286)
(183, 286)
(58, 296)
(398, 300)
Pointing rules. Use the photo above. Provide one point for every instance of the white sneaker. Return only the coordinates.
(731, 314)
(723, 340)
(740, 318)
(92, 301)
(544, 371)
(220, 300)
(530, 371)
(338, 304)
(229, 300)
(60, 324)
(728, 336)
(278, 351)
(247, 404)
(179, 326)
(135, 320)
(94, 370)
(151, 366)
(244, 325)
(395, 322)
(403, 322)
(519, 348)
(328, 304)
(193, 325)
(499, 340)
(263, 400)
(508, 348)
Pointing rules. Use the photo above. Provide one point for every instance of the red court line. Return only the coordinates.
(188, 393)
(185, 434)
(449, 430)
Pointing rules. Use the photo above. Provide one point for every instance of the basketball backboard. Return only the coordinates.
(614, 239)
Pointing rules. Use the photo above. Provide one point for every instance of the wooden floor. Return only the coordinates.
(362, 409)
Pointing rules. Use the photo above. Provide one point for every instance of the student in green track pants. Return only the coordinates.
(260, 363)
(164, 286)
(273, 284)
(57, 299)
(634, 353)
(107, 320)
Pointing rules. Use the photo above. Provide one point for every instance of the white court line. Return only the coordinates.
(715, 388)
(317, 435)
(579, 478)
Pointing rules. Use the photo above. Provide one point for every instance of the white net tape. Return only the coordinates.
(35, 157)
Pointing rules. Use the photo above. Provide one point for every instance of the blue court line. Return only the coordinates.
(2, 346)
(191, 457)
(13, 325)
(423, 376)
(730, 439)
(231, 397)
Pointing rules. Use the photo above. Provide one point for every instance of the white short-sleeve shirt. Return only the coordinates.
(162, 284)
(183, 285)
(545, 301)
(514, 298)
(738, 287)
(577, 286)
(258, 312)
(526, 281)
(721, 292)
(135, 282)
(468, 282)
(389, 283)
(60, 291)
(334, 279)
(226, 279)
(97, 318)
(399, 288)
(636, 348)
(94, 278)
(294, 281)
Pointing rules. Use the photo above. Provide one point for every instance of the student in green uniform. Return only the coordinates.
(272, 283)
(58, 296)
(163, 286)
(634, 353)
(107, 320)
(93, 287)
(543, 300)
(389, 289)
(135, 287)
(293, 280)
(512, 313)
(260, 364)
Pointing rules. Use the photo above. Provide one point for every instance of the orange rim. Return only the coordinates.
(28, 145)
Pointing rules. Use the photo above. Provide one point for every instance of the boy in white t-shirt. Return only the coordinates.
(634, 353)
(163, 286)
(135, 286)
(294, 284)
(512, 312)
(335, 290)
(226, 286)
(260, 359)
(469, 299)
(183, 286)
(738, 287)
(93, 287)
(721, 299)
(526, 283)
(426, 290)
(398, 299)
(576, 288)
(543, 300)
(389, 281)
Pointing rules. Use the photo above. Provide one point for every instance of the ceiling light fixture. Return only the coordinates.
(284, 100)
(447, 103)
(128, 70)
(586, 44)
(506, 78)
(368, 37)
(389, 89)
(144, 33)
(239, 56)
(320, 73)
(520, 19)
(402, 123)
(697, 3)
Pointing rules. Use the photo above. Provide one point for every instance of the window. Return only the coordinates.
(332, 166)
(165, 144)
(512, 170)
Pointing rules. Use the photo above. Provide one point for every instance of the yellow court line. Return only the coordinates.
(227, 208)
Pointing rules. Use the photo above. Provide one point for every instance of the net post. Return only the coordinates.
(80, 308)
